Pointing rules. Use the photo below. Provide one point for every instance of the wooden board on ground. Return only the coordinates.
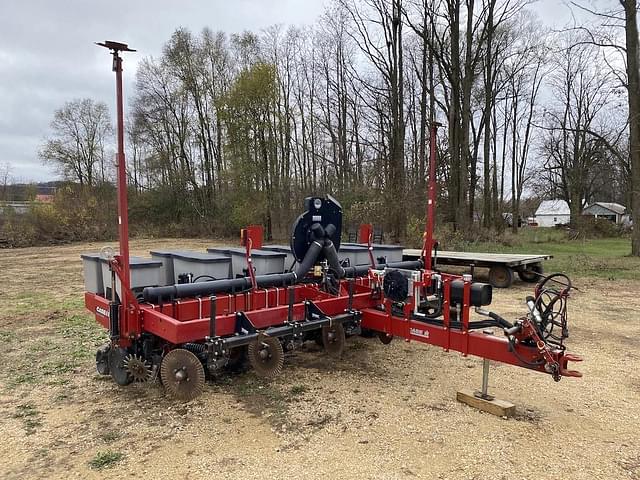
(500, 408)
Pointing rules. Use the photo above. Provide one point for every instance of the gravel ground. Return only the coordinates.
(380, 412)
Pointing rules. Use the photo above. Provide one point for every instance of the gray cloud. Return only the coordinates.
(47, 56)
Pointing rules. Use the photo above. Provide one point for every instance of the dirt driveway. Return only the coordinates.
(381, 412)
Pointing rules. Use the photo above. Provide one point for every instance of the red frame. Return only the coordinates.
(188, 320)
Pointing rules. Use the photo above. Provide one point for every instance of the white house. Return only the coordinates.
(611, 211)
(552, 212)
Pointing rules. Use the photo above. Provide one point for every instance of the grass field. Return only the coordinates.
(608, 258)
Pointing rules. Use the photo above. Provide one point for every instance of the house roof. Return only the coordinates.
(44, 198)
(614, 207)
(553, 207)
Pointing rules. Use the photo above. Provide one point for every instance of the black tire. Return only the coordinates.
(102, 360)
(116, 366)
(500, 276)
(385, 338)
(531, 273)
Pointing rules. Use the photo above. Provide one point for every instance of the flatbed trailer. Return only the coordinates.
(501, 265)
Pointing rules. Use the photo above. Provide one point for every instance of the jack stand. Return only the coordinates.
(485, 382)
(482, 400)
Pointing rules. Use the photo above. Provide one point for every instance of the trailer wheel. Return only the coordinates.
(531, 273)
(500, 276)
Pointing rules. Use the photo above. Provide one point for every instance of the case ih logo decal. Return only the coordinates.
(420, 333)
(102, 311)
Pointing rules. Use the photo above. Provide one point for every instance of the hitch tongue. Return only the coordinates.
(564, 360)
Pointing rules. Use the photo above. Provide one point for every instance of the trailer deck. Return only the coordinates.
(501, 265)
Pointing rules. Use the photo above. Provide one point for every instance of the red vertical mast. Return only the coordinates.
(431, 198)
(123, 209)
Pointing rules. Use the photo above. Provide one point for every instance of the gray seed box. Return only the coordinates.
(92, 270)
(286, 249)
(166, 258)
(357, 254)
(264, 261)
(393, 253)
(203, 265)
(143, 272)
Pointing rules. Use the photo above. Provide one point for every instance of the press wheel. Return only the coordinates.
(182, 374)
(333, 339)
(117, 366)
(266, 356)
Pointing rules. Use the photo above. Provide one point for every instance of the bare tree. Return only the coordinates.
(378, 32)
(525, 71)
(77, 146)
(5, 179)
(633, 87)
(573, 155)
(605, 36)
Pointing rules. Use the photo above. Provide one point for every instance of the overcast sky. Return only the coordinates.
(47, 56)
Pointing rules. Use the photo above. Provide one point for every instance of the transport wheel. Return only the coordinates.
(182, 374)
(500, 276)
(266, 356)
(531, 273)
(117, 366)
(333, 339)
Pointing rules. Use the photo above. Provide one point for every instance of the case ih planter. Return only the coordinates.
(188, 330)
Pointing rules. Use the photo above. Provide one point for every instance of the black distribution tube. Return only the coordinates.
(331, 255)
(361, 270)
(172, 292)
(154, 294)
(309, 259)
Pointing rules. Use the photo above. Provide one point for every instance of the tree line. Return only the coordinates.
(225, 130)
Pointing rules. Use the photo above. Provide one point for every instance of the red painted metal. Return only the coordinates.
(252, 273)
(431, 199)
(188, 321)
(129, 323)
(481, 345)
(254, 234)
(365, 233)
